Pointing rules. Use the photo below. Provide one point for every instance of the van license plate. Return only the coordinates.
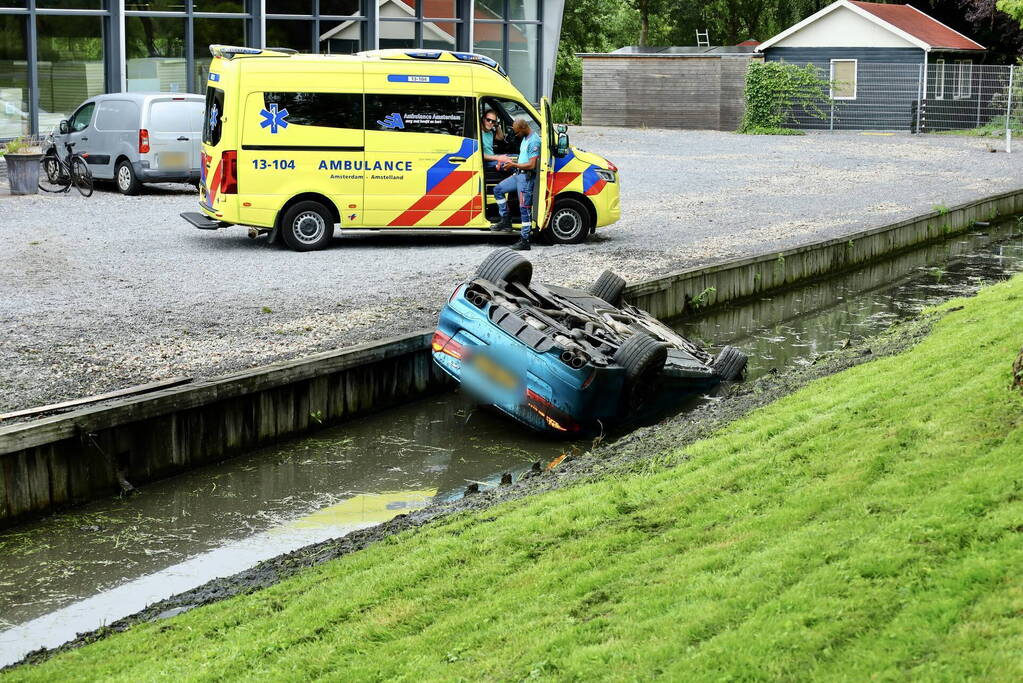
(174, 160)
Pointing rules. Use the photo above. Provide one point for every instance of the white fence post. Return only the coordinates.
(920, 95)
(1008, 111)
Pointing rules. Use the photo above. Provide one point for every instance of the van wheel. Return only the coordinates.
(307, 226)
(127, 182)
(570, 222)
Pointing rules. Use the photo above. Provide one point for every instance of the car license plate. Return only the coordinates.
(174, 160)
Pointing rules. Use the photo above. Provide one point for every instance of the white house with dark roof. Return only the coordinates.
(881, 59)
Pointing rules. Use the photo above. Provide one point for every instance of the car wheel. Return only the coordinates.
(642, 357)
(127, 182)
(729, 364)
(569, 223)
(307, 226)
(505, 265)
(608, 287)
(51, 169)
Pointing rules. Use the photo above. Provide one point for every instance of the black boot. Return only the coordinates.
(503, 225)
(521, 245)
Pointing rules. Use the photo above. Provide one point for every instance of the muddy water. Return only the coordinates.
(76, 571)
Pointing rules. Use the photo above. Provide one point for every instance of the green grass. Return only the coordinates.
(770, 130)
(867, 526)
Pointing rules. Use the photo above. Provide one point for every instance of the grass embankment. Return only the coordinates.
(870, 524)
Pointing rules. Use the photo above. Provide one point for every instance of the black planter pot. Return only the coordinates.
(23, 172)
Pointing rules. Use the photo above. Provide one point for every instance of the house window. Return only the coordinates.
(965, 79)
(843, 79)
(939, 79)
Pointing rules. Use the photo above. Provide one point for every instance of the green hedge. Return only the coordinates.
(775, 89)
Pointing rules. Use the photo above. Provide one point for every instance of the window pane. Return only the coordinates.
(489, 41)
(218, 5)
(329, 110)
(341, 8)
(176, 117)
(397, 34)
(440, 9)
(439, 35)
(213, 120)
(155, 50)
(80, 120)
(289, 7)
(157, 5)
(522, 54)
(524, 9)
(342, 38)
(70, 65)
(70, 4)
(207, 31)
(489, 9)
(417, 114)
(298, 35)
(843, 76)
(21, 4)
(14, 120)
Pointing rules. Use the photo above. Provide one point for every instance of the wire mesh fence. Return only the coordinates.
(944, 96)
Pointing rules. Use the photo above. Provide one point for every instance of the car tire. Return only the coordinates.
(569, 223)
(307, 226)
(730, 364)
(608, 287)
(126, 180)
(642, 357)
(505, 265)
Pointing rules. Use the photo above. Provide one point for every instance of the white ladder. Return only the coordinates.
(702, 38)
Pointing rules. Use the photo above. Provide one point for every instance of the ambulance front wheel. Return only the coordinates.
(307, 226)
(569, 223)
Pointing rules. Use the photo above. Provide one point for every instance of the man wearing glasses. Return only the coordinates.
(491, 131)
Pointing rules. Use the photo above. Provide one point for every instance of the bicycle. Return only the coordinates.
(59, 175)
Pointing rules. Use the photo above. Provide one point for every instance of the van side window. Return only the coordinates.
(439, 114)
(213, 120)
(80, 121)
(326, 109)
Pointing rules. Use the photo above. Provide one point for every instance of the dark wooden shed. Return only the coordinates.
(666, 87)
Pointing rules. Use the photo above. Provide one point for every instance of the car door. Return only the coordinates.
(542, 200)
(422, 168)
(80, 130)
(114, 122)
(171, 129)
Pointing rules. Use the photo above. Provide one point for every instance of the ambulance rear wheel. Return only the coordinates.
(307, 226)
(570, 222)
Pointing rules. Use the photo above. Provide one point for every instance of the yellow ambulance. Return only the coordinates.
(295, 144)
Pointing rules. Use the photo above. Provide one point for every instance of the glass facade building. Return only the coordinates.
(56, 53)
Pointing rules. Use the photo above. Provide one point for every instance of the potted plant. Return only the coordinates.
(22, 159)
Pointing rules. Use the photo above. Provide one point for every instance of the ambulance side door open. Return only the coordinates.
(542, 199)
(423, 167)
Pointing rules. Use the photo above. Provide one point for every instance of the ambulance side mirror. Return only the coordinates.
(562, 149)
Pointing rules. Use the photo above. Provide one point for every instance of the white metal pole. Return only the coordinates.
(1008, 111)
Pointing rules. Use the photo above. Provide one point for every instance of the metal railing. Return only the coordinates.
(944, 96)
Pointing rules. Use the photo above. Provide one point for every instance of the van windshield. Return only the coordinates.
(214, 116)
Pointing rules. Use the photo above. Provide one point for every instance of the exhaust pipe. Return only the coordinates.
(566, 357)
(577, 362)
(253, 233)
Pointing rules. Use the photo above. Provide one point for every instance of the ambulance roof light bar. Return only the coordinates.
(231, 51)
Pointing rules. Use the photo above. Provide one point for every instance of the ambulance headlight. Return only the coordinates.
(606, 175)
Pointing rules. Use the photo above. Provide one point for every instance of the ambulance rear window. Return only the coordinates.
(326, 109)
(440, 114)
(213, 118)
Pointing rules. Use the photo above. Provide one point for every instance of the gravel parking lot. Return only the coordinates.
(113, 291)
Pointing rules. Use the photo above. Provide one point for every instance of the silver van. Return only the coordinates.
(135, 138)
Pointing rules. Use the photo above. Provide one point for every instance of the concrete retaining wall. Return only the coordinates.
(93, 452)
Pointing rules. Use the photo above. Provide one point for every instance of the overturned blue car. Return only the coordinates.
(563, 360)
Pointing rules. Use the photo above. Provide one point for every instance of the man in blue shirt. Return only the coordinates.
(524, 181)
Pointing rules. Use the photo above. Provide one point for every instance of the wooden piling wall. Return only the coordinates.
(67, 459)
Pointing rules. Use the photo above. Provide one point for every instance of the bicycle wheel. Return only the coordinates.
(82, 176)
(53, 178)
